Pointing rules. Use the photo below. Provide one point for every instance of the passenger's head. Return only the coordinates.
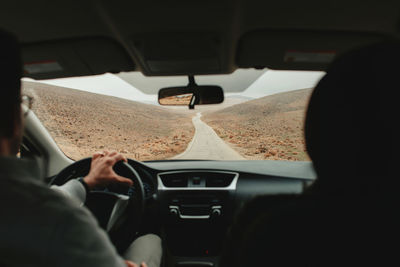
(352, 119)
(10, 93)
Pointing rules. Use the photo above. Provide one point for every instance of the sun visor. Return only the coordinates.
(178, 53)
(78, 57)
(297, 50)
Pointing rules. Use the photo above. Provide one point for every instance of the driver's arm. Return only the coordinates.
(72, 189)
(101, 173)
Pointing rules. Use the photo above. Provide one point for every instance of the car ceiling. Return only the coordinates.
(191, 37)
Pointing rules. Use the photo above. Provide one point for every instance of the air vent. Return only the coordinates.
(174, 180)
(198, 179)
(219, 179)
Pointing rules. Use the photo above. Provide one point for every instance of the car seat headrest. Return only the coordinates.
(10, 77)
(10, 60)
(352, 118)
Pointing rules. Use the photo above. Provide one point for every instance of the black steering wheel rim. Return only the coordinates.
(136, 203)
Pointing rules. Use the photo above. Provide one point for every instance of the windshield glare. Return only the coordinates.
(262, 121)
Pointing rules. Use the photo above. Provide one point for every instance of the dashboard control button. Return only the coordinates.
(216, 212)
(173, 212)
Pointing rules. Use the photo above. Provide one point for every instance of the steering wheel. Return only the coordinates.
(119, 214)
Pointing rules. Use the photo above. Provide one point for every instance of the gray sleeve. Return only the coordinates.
(72, 189)
(78, 241)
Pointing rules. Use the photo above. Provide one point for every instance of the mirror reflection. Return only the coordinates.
(176, 100)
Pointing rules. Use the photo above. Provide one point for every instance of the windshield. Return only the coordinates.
(261, 118)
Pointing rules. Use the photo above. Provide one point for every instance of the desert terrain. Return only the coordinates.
(266, 128)
(82, 123)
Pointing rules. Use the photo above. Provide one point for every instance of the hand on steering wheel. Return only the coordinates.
(120, 215)
(101, 170)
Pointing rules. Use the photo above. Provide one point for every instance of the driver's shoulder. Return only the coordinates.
(54, 224)
(30, 196)
(31, 208)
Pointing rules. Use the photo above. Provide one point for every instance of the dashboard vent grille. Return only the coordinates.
(197, 179)
(219, 179)
(175, 180)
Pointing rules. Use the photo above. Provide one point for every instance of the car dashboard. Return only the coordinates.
(197, 200)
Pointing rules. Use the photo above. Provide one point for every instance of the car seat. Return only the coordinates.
(348, 217)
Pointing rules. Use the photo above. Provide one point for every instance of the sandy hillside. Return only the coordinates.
(266, 128)
(83, 123)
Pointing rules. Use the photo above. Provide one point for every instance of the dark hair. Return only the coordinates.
(351, 121)
(10, 83)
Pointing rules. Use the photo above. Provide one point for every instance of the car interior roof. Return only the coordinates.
(176, 37)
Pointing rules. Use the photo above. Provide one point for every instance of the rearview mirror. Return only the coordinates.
(191, 95)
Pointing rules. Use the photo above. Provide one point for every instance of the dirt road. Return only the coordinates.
(206, 144)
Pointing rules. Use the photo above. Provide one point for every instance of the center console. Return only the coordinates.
(196, 208)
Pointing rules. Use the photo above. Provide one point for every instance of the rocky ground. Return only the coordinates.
(267, 128)
(82, 123)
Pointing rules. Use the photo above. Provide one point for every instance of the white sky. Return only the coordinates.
(237, 81)
(273, 82)
(106, 84)
(261, 83)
